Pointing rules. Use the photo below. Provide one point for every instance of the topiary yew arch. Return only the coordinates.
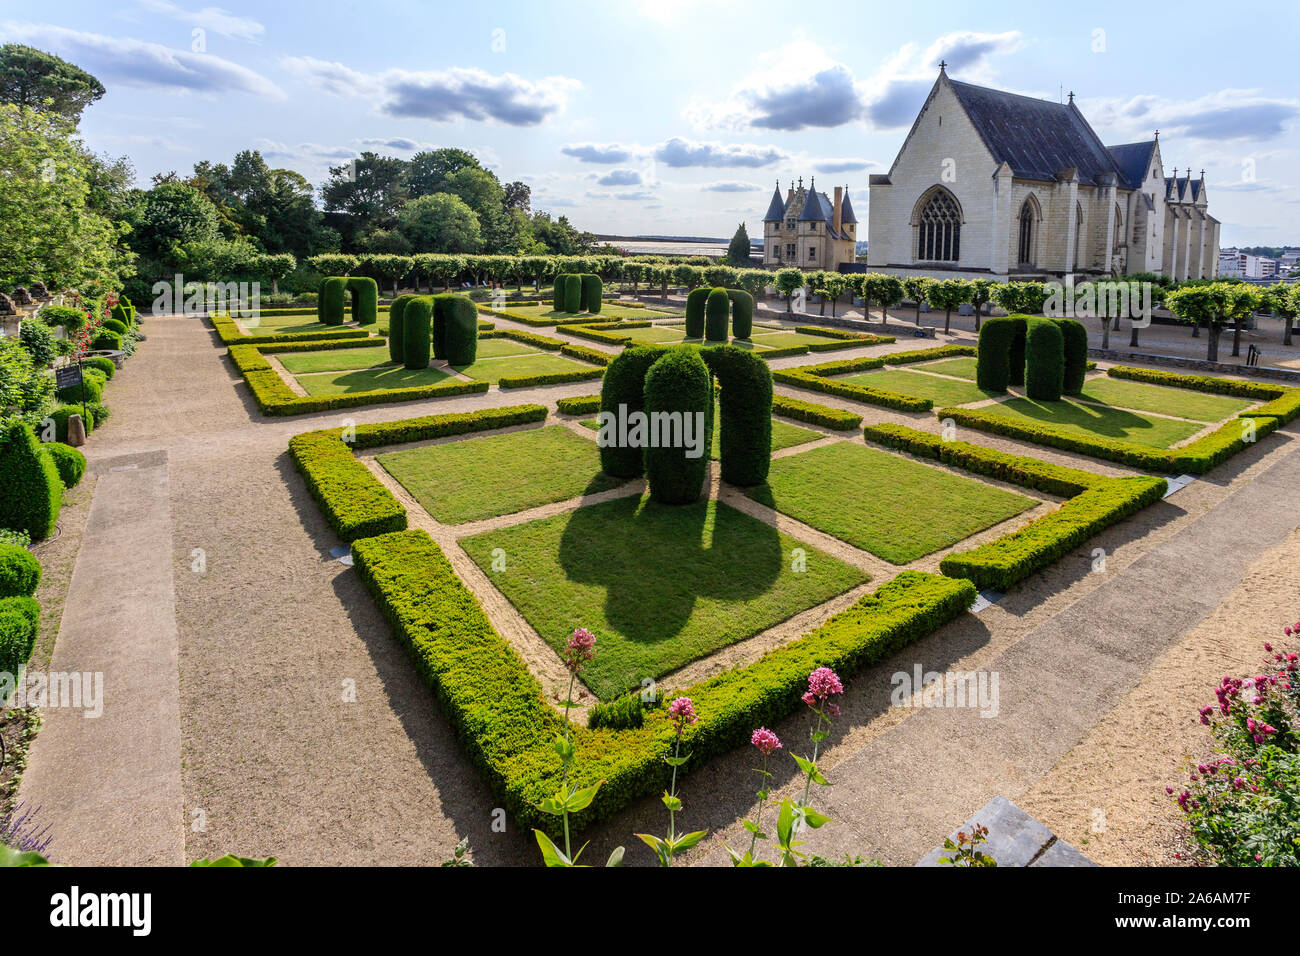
(1030, 351)
(448, 322)
(332, 300)
(745, 401)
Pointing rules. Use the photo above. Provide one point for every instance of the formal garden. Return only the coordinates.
(798, 534)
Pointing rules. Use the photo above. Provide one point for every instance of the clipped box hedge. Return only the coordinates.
(1200, 383)
(585, 354)
(229, 334)
(578, 405)
(501, 716)
(549, 378)
(926, 355)
(355, 503)
(528, 338)
(274, 397)
(815, 414)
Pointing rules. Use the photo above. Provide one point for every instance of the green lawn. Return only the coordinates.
(963, 367)
(370, 379)
(897, 509)
(529, 362)
(781, 339)
(784, 435)
(658, 585)
(1183, 402)
(479, 478)
(942, 391)
(1093, 420)
(334, 360)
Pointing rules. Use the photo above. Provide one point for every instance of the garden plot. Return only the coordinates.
(784, 435)
(938, 388)
(897, 509)
(1089, 420)
(476, 478)
(659, 586)
(543, 312)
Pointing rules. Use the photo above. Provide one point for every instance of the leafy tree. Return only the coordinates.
(981, 291)
(917, 289)
(1213, 304)
(370, 190)
(788, 281)
(519, 197)
(559, 235)
(948, 294)
(173, 214)
(440, 223)
(830, 285)
(50, 232)
(427, 172)
(276, 266)
(738, 250)
(1283, 301)
(41, 81)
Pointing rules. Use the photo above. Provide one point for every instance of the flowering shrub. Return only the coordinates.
(1243, 807)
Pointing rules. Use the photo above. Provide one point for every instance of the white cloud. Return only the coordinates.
(456, 93)
(799, 86)
(209, 18)
(678, 152)
(138, 63)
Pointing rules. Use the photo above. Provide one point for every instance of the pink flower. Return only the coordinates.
(823, 682)
(682, 712)
(765, 741)
(580, 648)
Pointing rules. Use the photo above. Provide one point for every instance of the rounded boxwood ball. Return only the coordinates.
(20, 572)
(71, 464)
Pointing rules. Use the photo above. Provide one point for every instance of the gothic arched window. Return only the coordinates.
(1026, 256)
(940, 229)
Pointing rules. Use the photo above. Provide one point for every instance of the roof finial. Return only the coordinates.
(801, 182)
(943, 65)
(1202, 173)
(812, 184)
(1071, 96)
(1157, 136)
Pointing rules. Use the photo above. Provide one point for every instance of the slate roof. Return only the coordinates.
(776, 208)
(817, 206)
(1133, 161)
(1036, 138)
(846, 210)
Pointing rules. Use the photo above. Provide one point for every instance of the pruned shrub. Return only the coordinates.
(1044, 360)
(101, 362)
(557, 293)
(993, 360)
(455, 333)
(106, 340)
(71, 464)
(20, 619)
(113, 325)
(678, 384)
(397, 326)
(365, 299)
(717, 312)
(1016, 360)
(333, 300)
(742, 313)
(1076, 355)
(60, 415)
(417, 317)
(32, 490)
(745, 413)
(93, 383)
(624, 388)
(625, 713)
(695, 301)
(572, 293)
(592, 290)
(20, 572)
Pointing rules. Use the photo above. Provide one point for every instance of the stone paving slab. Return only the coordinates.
(111, 785)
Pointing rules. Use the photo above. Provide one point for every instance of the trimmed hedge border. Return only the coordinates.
(586, 354)
(1195, 458)
(926, 355)
(1095, 502)
(528, 338)
(814, 414)
(274, 397)
(780, 352)
(548, 378)
(579, 405)
(355, 503)
(1200, 383)
(501, 717)
(229, 334)
(814, 377)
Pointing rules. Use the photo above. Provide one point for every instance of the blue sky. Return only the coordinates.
(670, 117)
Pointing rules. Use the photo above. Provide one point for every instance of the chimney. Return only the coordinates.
(839, 200)
(789, 194)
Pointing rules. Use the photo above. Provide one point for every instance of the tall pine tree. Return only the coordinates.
(738, 251)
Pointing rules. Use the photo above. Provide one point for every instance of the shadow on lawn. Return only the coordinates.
(388, 375)
(654, 560)
(1110, 421)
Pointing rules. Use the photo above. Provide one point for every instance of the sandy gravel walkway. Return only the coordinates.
(305, 732)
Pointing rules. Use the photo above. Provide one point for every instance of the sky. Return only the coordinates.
(666, 117)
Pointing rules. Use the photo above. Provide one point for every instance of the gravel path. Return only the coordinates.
(306, 734)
